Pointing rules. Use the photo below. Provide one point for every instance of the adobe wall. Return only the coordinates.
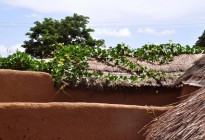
(187, 90)
(27, 86)
(77, 121)
(47, 120)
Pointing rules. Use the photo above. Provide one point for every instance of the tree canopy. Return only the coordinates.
(201, 40)
(71, 31)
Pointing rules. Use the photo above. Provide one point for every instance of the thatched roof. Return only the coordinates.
(195, 75)
(186, 121)
(179, 64)
(174, 69)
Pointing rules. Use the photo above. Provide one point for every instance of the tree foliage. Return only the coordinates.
(201, 40)
(71, 31)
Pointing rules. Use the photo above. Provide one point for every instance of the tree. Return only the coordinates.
(71, 31)
(201, 40)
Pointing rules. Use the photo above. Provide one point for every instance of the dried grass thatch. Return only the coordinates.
(174, 69)
(195, 75)
(166, 81)
(186, 121)
(180, 63)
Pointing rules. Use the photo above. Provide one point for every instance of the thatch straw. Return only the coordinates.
(166, 81)
(180, 63)
(104, 67)
(195, 75)
(176, 68)
(186, 121)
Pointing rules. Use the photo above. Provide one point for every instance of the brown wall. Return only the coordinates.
(187, 90)
(23, 86)
(46, 120)
(74, 121)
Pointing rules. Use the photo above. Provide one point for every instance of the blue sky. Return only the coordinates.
(134, 22)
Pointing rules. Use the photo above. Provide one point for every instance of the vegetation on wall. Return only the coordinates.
(69, 65)
(19, 61)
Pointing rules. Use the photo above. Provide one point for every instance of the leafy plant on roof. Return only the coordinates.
(70, 66)
(70, 63)
(164, 53)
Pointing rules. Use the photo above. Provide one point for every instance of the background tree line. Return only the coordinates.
(72, 30)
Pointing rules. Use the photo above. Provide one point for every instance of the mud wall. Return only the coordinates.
(187, 90)
(77, 121)
(28, 111)
(23, 86)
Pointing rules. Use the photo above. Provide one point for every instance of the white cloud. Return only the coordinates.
(167, 32)
(33, 15)
(5, 51)
(115, 9)
(112, 32)
(115, 14)
(154, 32)
(146, 30)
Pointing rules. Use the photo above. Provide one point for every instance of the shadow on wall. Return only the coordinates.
(188, 90)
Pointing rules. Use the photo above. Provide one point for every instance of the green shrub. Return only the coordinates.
(22, 61)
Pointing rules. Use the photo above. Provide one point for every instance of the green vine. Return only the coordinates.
(164, 53)
(70, 67)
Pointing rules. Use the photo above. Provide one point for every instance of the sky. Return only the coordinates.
(133, 22)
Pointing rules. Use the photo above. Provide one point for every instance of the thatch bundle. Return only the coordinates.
(186, 121)
(195, 75)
